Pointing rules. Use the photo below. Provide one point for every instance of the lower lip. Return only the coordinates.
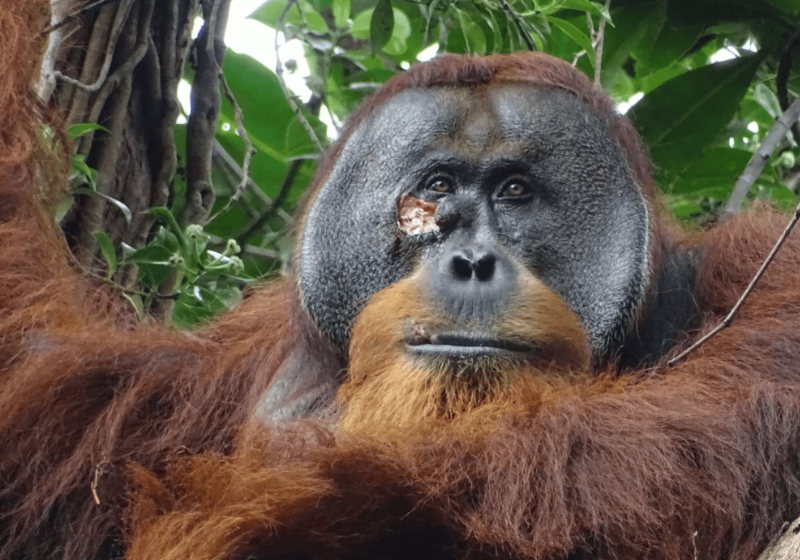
(460, 352)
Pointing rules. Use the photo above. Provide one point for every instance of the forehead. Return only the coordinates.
(480, 120)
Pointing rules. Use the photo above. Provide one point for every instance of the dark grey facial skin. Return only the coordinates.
(582, 226)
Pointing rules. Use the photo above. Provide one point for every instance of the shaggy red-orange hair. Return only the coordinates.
(140, 441)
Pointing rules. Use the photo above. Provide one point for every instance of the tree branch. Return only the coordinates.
(201, 127)
(248, 148)
(286, 186)
(726, 322)
(225, 158)
(132, 48)
(598, 46)
(201, 130)
(785, 545)
(782, 78)
(47, 81)
(116, 30)
(164, 63)
(125, 71)
(314, 105)
(91, 6)
(760, 158)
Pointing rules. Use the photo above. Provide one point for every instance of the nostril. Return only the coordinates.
(484, 267)
(462, 267)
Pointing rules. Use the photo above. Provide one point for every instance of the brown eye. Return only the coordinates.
(441, 186)
(514, 190)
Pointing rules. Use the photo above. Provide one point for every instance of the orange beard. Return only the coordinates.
(392, 395)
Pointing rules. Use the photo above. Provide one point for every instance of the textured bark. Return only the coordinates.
(128, 57)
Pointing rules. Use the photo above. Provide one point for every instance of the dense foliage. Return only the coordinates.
(708, 78)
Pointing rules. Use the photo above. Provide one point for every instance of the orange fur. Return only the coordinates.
(387, 392)
(701, 460)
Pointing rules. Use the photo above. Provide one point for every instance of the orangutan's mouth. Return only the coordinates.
(460, 346)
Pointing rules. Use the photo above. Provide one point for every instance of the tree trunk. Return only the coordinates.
(118, 64)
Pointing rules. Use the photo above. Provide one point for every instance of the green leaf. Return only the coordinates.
(673, 43)
(256, 87)
(442, 40)
(153, 263)
(681, 118)
(593, 8)
(63, 207)
(341, 12)
(791, 7)
(538, 28)
(429, 12)
(473, 35)
(402, 31)
(172, 224)
(485, 20)
(78, 130)
(780, 195)
(768, 100)
(576, 35)
(198, 303)
(79, 166)
(720, 167)
(497, 35)
(135, 300)
(360, 27)
(685, 209)
(270, 13)
(396, 45)
(515, 41)
(167, 239)
(381, 25)
(118, 203)
(107, 248)
(635, 23)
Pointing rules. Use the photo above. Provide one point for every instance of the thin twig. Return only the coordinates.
(314, 105)
(782, 78)
(249, 150)
(726, 322)
(760, 158)
(230, 163)
(286, 186)
(518, 20)
(279, 72)
(598, 46)
(95, 480)
(116, 30)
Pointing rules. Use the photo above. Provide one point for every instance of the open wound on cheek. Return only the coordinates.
(415, 215)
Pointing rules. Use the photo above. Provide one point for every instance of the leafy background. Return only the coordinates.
(707, 79)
